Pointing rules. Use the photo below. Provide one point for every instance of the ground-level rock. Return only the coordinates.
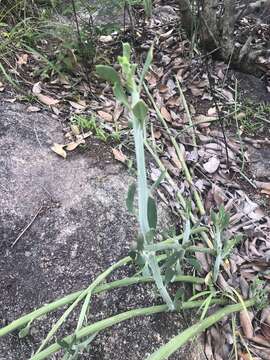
(79, 227)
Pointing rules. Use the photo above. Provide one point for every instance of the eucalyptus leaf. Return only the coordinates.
(108, 73)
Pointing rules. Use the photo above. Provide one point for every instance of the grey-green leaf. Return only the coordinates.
(120, 95)
(152, 213)
(126, 50)
(25, 331)
(130, 197)
(108, 73)
(158, 181)
(140, 111)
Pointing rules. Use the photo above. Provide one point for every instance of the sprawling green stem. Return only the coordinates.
(175, 343)
(99, 279)
(24, 320)
(106, 323)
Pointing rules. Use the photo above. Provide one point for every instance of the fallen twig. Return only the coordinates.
(27, 227)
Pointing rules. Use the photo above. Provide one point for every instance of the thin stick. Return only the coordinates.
(27, 227)
(191, 125)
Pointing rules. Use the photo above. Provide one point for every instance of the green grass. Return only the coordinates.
(252, 117)
(90, 123)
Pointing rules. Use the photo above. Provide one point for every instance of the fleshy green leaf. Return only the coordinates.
(25, 331)
(148, 7)
(130, 197)
(194, 263)
(108, 73)
(158, 181)
(140, 111)
(149, 236)
(140, 243)
(126, 50)
(169, 274)
(152, 213)
(120, 94)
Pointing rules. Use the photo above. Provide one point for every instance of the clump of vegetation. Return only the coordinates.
(90, 123)
(161, 263)
(252, 117)
(60, 38)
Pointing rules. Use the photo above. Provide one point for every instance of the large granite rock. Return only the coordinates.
(79, 227)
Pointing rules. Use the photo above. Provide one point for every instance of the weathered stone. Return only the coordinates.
(259, 162)
(81, 228)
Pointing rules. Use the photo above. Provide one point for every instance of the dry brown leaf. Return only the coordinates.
(10, 100)
(118, 155)
(218, 194)
(78, 105)
(163, 88)
(118, 110)
(152, 78)
(75, 129)
(228, 95)
(58, 149)
(31, 109)
(196, 91)
(106, 116)
(204, 121)
(105, 38)
(264, 186)
(73, 145)
(212, 165)
(36, 89)
(246, 324)
(259, 339)
(202, 258)
(165, 113)
(22, 60)
(169, 166)
(157, 134)
(47, 100)
(174, 101)
(212, 111)
(174, 157)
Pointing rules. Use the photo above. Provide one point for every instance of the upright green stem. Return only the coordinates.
(142, 179)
